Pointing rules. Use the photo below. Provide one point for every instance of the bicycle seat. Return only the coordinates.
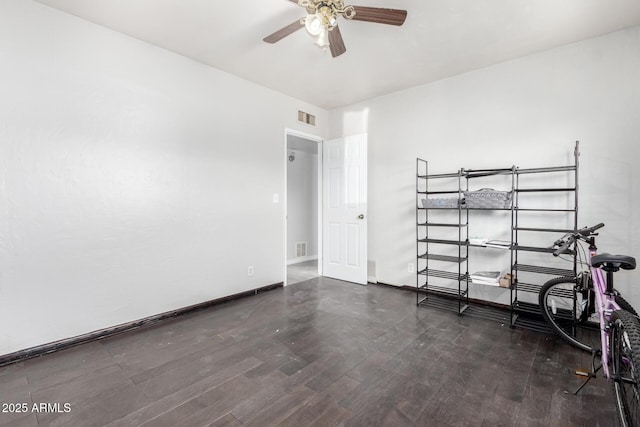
(610, 262)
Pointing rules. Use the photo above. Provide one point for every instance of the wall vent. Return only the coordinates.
(307, 118)
(301, 249)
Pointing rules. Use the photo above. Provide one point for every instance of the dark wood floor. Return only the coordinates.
(321, 352)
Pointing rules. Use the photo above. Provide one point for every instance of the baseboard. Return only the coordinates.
(41, 350)
(302, 259)
(403, 287)
(471, 300)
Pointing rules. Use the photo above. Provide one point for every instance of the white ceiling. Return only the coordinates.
(440, 38)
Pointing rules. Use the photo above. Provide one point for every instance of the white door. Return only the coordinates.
(344, 199)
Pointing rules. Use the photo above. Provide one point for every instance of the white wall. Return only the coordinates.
(526, 112)
(302, 203)
(133, 181)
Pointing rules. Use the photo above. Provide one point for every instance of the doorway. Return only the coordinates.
(303, 206)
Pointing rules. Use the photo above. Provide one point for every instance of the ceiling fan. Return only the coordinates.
(321, 21)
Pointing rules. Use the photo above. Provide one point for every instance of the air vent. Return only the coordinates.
(307, 118)
(301, 249)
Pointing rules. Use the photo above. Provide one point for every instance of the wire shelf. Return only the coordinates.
(443, 241)
(544, 190)
(550, 230)
(533, 249)
(526, 307)
(443, 290)
(537, 325)
(529, 287)
(542, 270)
(447, 304)
(446, 258)
(441, 224)
(443, 274)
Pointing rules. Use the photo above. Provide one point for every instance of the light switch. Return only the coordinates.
(276, 198)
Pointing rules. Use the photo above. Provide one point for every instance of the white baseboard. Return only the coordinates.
(302, 259)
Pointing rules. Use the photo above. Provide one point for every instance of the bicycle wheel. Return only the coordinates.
(625, 361)
(625, 305)
(569, 310)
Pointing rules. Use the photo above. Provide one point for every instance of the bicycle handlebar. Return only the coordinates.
(563, 248)
(564, 244)
(589, 231)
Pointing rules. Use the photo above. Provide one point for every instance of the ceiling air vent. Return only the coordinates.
(307, 118)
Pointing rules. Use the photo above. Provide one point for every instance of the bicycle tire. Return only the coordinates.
(625, 361)
(557, 305)
(556, 300)
(625, 305)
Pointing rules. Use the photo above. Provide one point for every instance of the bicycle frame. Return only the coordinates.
(605, 305)
(619, 325)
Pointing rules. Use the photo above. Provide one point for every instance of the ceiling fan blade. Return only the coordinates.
(336, 43)
(380, 15)
(283, 32)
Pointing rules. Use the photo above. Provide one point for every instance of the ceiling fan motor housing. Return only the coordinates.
(328, 10)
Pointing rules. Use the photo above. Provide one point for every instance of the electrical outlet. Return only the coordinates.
(250, 270)
(410, 267)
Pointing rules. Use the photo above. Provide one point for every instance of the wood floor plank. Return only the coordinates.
(308, 413)
(323, 405)
(412, 397)
(281, 408)
(84, 387)
(214, 404)
(500, 413)
(269, 389)
(138, 361)
(192, 370)
(226, 421)
(334, 415)
(377, 410)
(66, 365)
(27, 420)
(13, 387)
(101, 409)
(184, 395)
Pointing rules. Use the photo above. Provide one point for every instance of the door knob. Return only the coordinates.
(361, 216)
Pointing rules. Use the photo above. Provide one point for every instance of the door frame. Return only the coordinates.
(319, 141)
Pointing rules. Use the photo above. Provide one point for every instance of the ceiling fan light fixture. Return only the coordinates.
(323, 39)
(313, 25)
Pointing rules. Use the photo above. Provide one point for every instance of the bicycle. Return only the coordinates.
(587, 312)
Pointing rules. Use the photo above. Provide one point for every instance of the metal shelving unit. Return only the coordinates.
(443, 271)
(536, 262)
(443, 275)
